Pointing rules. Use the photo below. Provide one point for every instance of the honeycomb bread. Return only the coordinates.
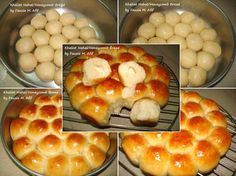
(197, 147)
(40, 145)
(97, 99)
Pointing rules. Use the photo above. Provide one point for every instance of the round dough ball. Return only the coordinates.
(205, 60)
(198, 25)
(212, 47)
(179, 40)
(184, 77)
(188, 58)
(52, 15)
(172, 18)
(45, 71)
(197, 76)
(26, 30)
(27, 62)
(140, 40)
(40, 37)
(67, 18)
(53, 27)
(25, 45)
(182, 29)
(58, 77)
(146, 30)
(187, 17)
(57, 40)
(70, 31)
(208, 34)
(39, 21)
(164, 31)
(156, 18)
(194, 41)
(87, 33)
(156, 40)
(58, 58)
(81, 22)
(44, 53)
(93, 40)
(76, 40)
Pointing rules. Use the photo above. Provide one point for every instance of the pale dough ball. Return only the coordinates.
(40, 37)
(26, 30)
(194, 41)
(39, 21)
(182, 29)
(70, 31)
(76, 40)
(187, 17)
(45, 71)
(146, 30)
(179, 40)
(198, 25)
(184, 77)
(53, 27)
(156, 40)
(67, 18)
(93, 40)
(172, 18)
(87, 33)
(25, 45)
(208, 34)
(212, 47)
(52, 15)
(44, 53)
(164, 31)
(58, 58)
(140, 40)
(58, 77)
(81, 22)
(188, 58)
(156, 18)
(27, 62)
(197, 76)
(205, 60)
(57, 40)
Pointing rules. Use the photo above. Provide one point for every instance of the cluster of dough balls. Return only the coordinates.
(40, 43)
(198, 42)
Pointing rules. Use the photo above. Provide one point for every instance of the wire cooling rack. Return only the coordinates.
(119, 122)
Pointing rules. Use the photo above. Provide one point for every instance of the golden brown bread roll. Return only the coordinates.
(125, 57)
(57, 165)
(148, 60)
(79, 166)
(74, 143)
(159, 72)
(38, 129)
(190, 96)
(208, 105)
(216, 118)
(101, 140)
(49, 112)
(156, 138)
(72, 79)
(192, 109)
(29, 112)
(22, 147)
(18, 128)
(136, 51)
(77, 65)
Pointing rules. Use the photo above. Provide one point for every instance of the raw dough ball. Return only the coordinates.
(44, 53)
(187, 17)
(58, 77)
(172, 18)
(70, 31)
(184, 77)
(67, 18)
(39, 21)
(146, 30)
(188, 58)
(53, 27)
(194, 41)
(45, 71)
(205, 60)
(198, 25)
(26, 30)
(57, 40)
(87, 33)
(156, 40)
(76, 40)
(139, 40)
(58, 58)
(93, 40)
(212, 47)
(27, 62)
(81, 22)
(24, 45)
(182, 29)
(52, 15)
(179, 40)
(164, 31)
(156, 18)
(40, 37)
(197, 76)
(208, 34)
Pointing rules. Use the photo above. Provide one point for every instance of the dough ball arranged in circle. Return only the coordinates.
(45, 71)
(70, 31)
(212, 47)
(40, 37)
(184, 77)
(87, 33)
(156, 18)
(208, 34)
(39, 21)
(194, 41)
(198, 25)
(164, 31)
(57, 40)
(44, 53)
(58, 58)
(182, 29)
(188, 58)
(81, 22)
(140, 40)
(187, 17)
(53, 27)
(27, 62)
(205, 60)
(197, 76)
(146, 30)
(52, 15)
(172, 18)
(178, 40)
(67, 19)
(25, 45)
(26, 30)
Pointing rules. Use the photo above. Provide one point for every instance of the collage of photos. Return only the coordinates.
(117, 88)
